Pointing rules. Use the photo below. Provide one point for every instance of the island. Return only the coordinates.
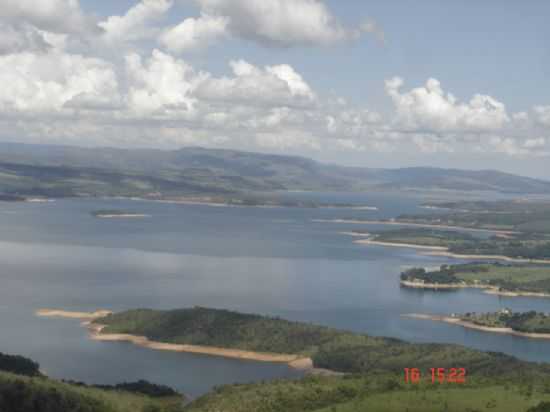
(114, 214)
(532, 324)
(370, 369)
(495, 278)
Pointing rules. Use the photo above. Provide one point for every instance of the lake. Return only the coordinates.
(273, 261)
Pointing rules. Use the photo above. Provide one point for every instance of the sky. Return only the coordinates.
(398, 83)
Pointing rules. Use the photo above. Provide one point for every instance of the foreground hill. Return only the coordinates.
(24, 389)
(58, 171)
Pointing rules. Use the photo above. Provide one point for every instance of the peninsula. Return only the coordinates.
(527, 324)
(495, 278)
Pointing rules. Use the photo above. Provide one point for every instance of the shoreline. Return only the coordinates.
(471, 325)
(404, 245)
(122, 216)
(488, 289)
(444, 251)
(412, 224)
(296, 362)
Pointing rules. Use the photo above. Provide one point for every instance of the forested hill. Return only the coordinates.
(71, 171)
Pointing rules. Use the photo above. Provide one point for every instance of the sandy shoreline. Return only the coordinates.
(294, 361)
(489, 257)
(470, 325)
(405, 245)
(444, 251)
(122, 216)
(411, 224)
(490, 290)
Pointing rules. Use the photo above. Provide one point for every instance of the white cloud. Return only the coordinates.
(428, 108)
(271, 86)
(135, 23)
(543, 115)
(57, 16)
(163, 86)
(193, 34)
(16, 38)
(46, 82)
(273, 23)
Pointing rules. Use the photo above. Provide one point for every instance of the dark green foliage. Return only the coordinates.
(143, 387)
(220, 328)
(541, 407)
(21, 396)
(19, 365)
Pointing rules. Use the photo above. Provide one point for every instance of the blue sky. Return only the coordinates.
(304, 77)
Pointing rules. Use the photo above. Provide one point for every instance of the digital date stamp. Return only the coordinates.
(435, 375)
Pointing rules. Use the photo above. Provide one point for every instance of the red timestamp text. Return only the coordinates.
(436, 375)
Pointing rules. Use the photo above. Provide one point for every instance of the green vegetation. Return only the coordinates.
(380, 393)
(520, 246)
(505, 277)
(527, 322)
(424, 237)
(515, 215)
(19, 365)
(58, 171)
(24, 389)
(329, 348)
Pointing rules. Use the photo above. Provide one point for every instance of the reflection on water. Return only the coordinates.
(272, 261)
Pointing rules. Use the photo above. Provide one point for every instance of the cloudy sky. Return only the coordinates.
(384, 83)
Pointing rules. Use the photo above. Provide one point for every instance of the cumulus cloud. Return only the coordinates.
(542, 114)
(277, 85)
(56, 16)
(45, 83)
(21, 37)
(193, 34)
(430, 108)
(135, 24)
(272, 23)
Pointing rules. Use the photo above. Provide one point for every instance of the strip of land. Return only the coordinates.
(495, 278)
(394, 222)
(95, 329)
(470, 325)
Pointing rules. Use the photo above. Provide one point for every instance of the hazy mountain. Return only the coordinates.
(64, 170)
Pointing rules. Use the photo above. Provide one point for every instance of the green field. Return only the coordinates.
(505, 277)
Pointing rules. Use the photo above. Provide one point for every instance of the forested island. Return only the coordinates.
(496, 278)
(372, 367)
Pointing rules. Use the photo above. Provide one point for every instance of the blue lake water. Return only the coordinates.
(274, 261)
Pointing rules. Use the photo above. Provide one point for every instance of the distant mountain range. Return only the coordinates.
(58, 171)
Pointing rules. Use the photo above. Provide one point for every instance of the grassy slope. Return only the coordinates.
(39, 394)
(378, 393)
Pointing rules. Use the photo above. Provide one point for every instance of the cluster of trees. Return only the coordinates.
(516, 248)
(19, 365)
(22, 396)
(143, 387)
(443, 276)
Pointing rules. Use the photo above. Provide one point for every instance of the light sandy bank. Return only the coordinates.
(490, 290)
(56, 313)
(470, 325)
(294, 361)
(122, 216)
(396, 244)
